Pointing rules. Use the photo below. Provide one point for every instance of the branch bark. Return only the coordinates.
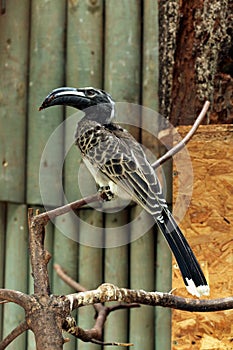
(22, 327)
(93, 335)
(14, 296)
(108, 292)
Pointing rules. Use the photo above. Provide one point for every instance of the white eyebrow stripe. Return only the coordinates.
(76, 93)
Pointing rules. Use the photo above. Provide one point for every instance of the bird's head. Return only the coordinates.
(97, 104)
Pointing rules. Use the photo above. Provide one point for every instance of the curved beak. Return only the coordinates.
(66, 96)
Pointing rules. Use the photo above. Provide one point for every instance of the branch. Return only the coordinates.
(109, 292)
(185, 140)
(43, 218)
(67, 279)
(22, 327)
(90, 335)
(9, 295)
(38, 255)
(95, 334)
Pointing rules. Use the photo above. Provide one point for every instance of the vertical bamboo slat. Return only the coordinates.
(164, 274)
(13, 94)
(122, 50)
(66, 255)
(151, 123)
(46, 73)
(111, 45)
(150, 55)
(90, 270)
(84, 68)
(122, 80)
(117, 272)
(15, 268)
(2, 257)
(142, 277)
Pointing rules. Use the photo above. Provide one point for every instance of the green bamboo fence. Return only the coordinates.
(106, 44)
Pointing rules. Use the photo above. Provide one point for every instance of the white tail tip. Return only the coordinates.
(197, 291)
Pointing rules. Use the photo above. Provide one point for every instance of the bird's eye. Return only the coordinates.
(90, 93)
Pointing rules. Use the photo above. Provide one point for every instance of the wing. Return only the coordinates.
(120, 157)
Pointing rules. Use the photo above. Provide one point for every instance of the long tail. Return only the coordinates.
(192, 274)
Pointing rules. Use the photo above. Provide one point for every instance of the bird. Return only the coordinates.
(119, 166)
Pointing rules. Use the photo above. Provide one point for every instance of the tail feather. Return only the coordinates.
(191, 271)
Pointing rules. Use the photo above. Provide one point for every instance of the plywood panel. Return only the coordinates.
(208, 227)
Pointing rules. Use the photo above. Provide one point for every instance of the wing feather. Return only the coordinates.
(125, 164)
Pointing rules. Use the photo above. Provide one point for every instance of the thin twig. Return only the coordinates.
(22, 327)
(185, 140)
(73, 284)
(67, 279)
(88, 335)
(99, 342)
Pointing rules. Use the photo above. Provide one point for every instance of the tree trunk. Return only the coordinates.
(196, 59)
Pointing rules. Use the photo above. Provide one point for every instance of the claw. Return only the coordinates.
(106, 193)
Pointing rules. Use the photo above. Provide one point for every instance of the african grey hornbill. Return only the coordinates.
(117, 161)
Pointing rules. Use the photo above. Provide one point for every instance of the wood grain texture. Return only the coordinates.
(208, 227)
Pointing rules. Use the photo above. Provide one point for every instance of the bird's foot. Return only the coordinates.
(106, 193)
